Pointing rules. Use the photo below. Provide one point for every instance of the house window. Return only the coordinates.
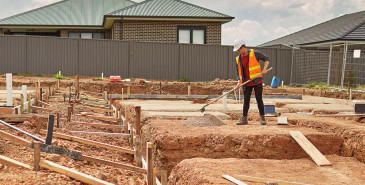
(191, 35)
(97, 35)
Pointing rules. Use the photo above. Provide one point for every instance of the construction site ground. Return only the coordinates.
(194, 150)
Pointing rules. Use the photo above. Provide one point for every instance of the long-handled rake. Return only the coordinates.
(225, 94)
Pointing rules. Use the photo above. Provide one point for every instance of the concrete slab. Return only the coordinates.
(188, 106)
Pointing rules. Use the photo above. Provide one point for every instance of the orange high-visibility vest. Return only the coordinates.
(253, 64)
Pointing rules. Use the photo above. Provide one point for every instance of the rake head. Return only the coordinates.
(202, 109)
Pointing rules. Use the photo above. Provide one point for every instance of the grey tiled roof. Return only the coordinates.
(68, 12)
(346, 27)
(168, 8)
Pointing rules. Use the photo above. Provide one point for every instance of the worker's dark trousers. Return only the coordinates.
(247, 90)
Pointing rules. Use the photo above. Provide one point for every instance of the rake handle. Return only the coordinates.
(236, 88)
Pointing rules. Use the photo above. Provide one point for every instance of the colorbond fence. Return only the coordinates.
(161, 61)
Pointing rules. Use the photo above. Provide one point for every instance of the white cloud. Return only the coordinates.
(248, 30)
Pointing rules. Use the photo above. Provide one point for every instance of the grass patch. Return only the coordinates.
(183, 80)
(58, 76)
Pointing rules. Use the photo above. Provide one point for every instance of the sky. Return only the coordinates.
(256, 21)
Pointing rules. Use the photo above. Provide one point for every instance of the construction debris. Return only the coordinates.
(208, 120)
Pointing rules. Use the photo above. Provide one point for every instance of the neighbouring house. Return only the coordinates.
(346, 30)
(165, 21)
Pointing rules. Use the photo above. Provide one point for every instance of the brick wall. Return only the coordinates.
(115, 31)
(163, 31)
(64, 33)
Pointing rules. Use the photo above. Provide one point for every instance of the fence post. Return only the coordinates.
(138, 143)
(164, 177)
(37, 155)
(149, 164)
(50, 129)
(344, 65)
(29, 103)
(292, 65)
(329, 66)
(21, 104)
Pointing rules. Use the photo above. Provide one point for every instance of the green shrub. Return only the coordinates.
(183, 80)
(26, 74)
(100, 79)
(58, 76)
(316, 85)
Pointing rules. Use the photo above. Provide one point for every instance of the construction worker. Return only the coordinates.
(247, 64)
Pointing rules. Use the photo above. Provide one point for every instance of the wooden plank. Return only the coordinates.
(90, 142)
(71, 173)
(232, 179)
(264, 180)
(149, 164)
(6, 110)
(98, 124)
(103, 118)
(95, 109)
(37, 155)
(164, 177)
(11, 162)
(15, 138)
(308, 147)
(3, 116)
(42, 109)
(102, 133)
(44, 104)
(117, 165)
(340, 115)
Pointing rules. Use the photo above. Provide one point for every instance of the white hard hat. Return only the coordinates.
(238, 43)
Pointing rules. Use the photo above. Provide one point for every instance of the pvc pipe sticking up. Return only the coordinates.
(102, 75)
(24, 92)
(9, 89)
(224, 101)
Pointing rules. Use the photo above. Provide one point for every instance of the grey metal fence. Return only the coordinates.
(161, 61)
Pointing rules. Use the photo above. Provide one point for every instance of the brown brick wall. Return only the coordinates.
(115, 30)
(163, 31)
(64, 33)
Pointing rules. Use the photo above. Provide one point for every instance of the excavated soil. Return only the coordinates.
(209, 171)
(251, 141)
(143, 86)
(13, 175)
(266, 151)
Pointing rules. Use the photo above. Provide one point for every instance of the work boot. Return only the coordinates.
(262, 120)
(242, 121)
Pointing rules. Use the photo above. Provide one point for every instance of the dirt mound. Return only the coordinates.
(207, 120)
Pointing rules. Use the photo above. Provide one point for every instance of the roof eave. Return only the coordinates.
(52, 26)
(169, 18)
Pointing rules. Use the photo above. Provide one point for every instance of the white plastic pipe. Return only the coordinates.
(102, 75)
(24, 92)
(224, 101)
(9, 89)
